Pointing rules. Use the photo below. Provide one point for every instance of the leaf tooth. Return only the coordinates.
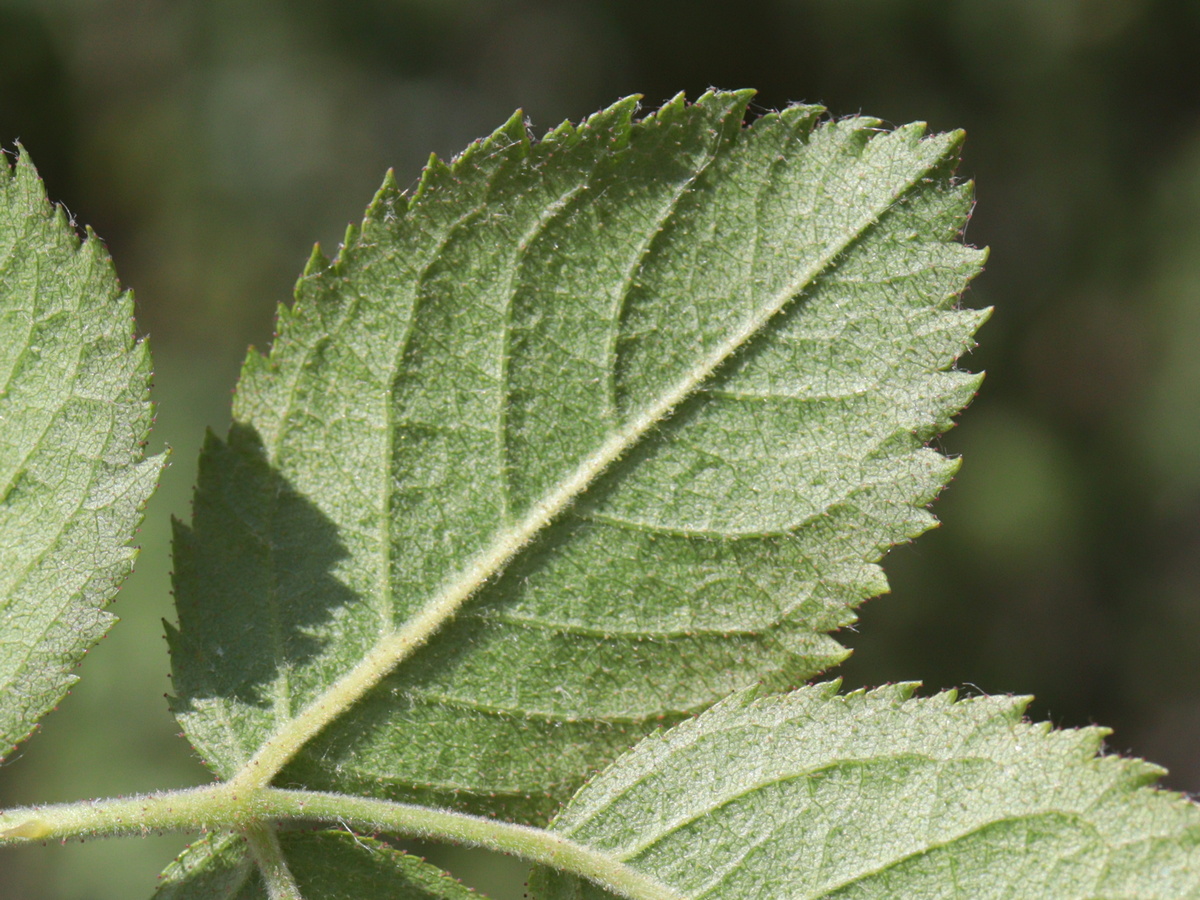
(513, 131)
(802, 117)
(435, 175)
(352, 235)
(616, 119)
(389, 203)
(738, 98)
(317, 263)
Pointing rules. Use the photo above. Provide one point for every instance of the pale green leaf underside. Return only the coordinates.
(74, 415)
(652, 395)
(327, 865)
(876, 795)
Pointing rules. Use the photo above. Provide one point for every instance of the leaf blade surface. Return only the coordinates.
(815, 794)
(569, 409)
(74, 417)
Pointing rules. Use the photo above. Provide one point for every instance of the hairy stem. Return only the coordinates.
(226, 807)
(264, 847)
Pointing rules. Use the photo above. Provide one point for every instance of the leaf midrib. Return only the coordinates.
(394, 648)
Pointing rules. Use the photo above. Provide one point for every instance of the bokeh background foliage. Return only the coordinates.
(210, 142)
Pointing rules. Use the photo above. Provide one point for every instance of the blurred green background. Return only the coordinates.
(211, 142)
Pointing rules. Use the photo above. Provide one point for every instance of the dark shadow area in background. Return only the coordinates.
(35, 89)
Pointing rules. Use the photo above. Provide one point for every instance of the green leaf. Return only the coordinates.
(74, 416)
(814, 794)
(331, 865)
(576, 439)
